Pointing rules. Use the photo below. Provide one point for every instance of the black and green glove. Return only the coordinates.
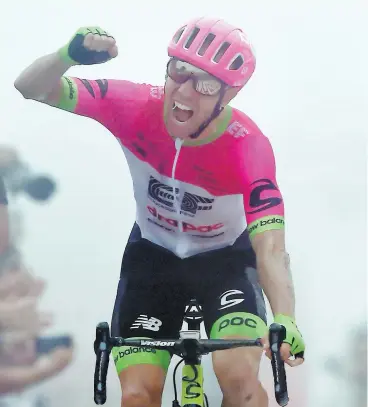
(293, 336)
(75, 52)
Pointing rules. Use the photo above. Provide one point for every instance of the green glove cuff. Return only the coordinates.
(64, 56)
(283, 319)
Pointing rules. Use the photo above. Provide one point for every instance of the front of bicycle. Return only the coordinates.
(192, 380)
(190, 348)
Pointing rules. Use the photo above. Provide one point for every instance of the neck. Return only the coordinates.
(212, 127)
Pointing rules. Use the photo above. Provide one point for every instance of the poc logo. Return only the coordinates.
(237, 321)
(227, 302)
(152, 324)
(157, 343)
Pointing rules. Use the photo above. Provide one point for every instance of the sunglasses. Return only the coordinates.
(204, 83)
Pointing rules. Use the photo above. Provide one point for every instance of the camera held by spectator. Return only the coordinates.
(20, 178)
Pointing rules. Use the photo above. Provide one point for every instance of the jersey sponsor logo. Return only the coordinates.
(171, 230)
(71, 86)
(157, 92)
(161, 226)
(227, 302)
(192, 203)
(163, 195)
(187, 227)
(237, 130)
(152, 324)
(266, 223)
(256, 200)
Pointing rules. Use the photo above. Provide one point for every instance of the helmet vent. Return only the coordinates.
(178, 34)
(206, 43)
(192, 37)
(237, 63)
(221, 51)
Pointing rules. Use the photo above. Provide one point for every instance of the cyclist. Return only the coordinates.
(209, 211)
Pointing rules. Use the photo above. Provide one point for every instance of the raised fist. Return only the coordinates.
(89, 46)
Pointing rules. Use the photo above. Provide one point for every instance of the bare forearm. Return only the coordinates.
(276, 281)
(15, 379)
(41, 77)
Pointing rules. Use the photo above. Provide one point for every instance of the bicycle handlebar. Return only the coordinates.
(104, 343)
(177, 346)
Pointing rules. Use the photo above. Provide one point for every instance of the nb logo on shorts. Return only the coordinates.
(152, 324)
(228, 302)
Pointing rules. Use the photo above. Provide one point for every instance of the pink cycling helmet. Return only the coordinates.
(216, 47)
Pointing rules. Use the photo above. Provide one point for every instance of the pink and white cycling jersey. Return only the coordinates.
(191, 196)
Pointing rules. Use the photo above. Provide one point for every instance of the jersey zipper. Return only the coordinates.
(178, 145)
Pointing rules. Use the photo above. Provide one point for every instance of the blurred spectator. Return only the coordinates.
(19, 178)
(4, 219)
(22, 361)
(20, 323)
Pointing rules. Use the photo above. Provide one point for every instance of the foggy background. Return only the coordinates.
(308, 95)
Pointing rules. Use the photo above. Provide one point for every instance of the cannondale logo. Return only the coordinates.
(227, 302)
(163, 194)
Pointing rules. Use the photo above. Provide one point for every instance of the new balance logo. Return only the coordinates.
(163, 194)
(227, 302)
(152, 324)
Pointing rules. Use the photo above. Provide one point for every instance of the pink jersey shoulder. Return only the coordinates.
(256, 170)
(116, 104)
(242, 125)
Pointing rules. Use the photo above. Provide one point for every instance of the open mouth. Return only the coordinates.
(181, 112)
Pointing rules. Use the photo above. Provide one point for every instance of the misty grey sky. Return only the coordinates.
(307, 96)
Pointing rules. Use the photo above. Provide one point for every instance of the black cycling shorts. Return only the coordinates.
(155, 286)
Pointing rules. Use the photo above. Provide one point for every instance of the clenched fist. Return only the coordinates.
(89, 46)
